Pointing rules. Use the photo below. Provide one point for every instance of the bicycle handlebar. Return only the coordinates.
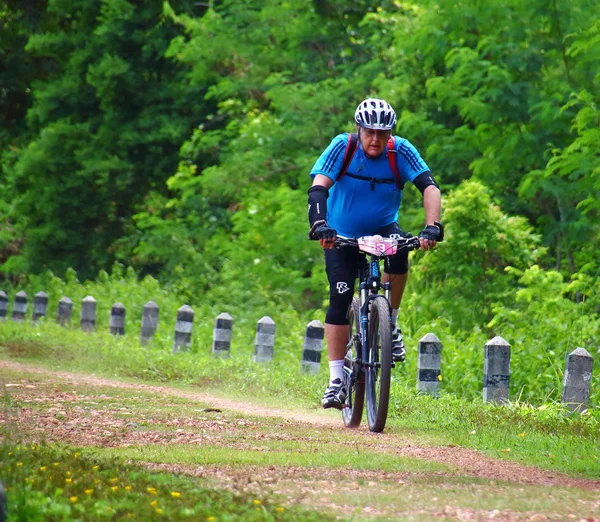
(406, 243)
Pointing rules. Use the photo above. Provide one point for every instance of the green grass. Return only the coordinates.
(50, 483)
(304, 455)
(547, 436)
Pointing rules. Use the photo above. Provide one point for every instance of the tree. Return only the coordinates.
(108, 121)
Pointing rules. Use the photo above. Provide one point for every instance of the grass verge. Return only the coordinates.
(548, 436)
(58, 483)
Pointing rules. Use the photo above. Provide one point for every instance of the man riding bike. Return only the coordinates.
(360, 195)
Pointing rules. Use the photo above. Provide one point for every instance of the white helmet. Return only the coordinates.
(375, 114)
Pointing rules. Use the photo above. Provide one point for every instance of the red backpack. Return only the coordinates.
(391, 154)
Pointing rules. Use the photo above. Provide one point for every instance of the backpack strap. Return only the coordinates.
(392, 158)
(350, 150)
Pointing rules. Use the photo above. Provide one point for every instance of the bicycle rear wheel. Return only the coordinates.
(379, 357)
(353, 377)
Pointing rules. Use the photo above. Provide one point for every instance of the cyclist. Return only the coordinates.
(365, 201)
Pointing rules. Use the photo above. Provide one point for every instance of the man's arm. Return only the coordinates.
(323, 181)
(317, 211)
(432, 204)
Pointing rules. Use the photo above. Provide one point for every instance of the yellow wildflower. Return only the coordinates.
(69, 480)
(89, 491)
(115, 488)
(175, 494)
(128, 488)
(73, 499)
(154, 503)
(152, 491)
(19, 464)
(96, 468)
(42, 468)
(56, 464)
(522, 434)
(280, 510)
(210, 519)
(159, 511)
(256, 502)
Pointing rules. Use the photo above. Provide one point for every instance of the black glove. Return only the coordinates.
(321, 230)
(433, 232)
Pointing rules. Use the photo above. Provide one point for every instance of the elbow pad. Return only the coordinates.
(423, 180)
(317, 204)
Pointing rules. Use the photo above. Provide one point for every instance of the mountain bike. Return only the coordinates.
(368, 363)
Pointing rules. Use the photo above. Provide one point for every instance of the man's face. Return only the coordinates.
(373, 141)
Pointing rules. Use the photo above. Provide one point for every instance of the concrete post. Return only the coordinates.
(3, 506)
(577, 380)
(3, 305)
(496, 370)
(65, 307)
(183, 329)
(265, 340)
(19, 307)
(429, 364)
(88, 314)
(40, 305)
(313, 346)
(222, 335)
(149, 322)
(117, 319)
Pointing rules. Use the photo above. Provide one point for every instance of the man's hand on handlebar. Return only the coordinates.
(431, 235)
(324, 233)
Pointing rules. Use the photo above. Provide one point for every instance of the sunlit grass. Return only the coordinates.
(554, 438)
(52, 483)
(277, 453)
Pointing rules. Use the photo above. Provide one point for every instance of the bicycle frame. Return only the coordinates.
(369, 277)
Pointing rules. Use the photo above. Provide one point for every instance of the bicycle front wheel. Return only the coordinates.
(354, 378)
(379, 369)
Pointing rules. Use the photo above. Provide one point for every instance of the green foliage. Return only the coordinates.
(108, 120)
(468, 269)
(542, 343)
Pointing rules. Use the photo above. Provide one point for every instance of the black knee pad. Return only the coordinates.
(337, 313)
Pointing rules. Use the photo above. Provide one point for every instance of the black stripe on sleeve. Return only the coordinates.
(410, 157)
(333, 156)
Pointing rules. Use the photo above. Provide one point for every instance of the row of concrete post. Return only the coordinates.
(577, 378)
(496, 371)
(222, 333)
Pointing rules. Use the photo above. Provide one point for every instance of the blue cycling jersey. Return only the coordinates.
(358, 207)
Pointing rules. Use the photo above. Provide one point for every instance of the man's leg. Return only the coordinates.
(398, 285)
(337, 338)
(398, 282)
(396, 272)
(341, 267)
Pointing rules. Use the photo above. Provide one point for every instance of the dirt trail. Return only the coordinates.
(81, 427)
